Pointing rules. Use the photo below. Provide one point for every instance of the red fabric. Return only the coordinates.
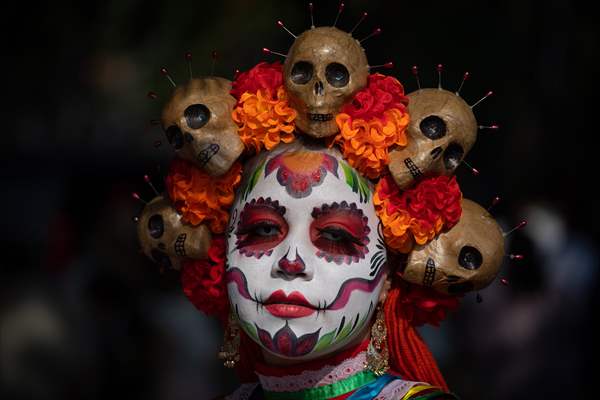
(423, 305)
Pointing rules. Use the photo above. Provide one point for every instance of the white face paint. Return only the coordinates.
(306, 261)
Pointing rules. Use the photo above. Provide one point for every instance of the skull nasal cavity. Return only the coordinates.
(433, 127)
(302, 72)
(470, 258)
(175, 137)
(196, 115)
(319, 88)
(156, 226)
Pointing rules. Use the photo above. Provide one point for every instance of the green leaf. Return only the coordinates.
(253, 180)
(250, 329)
(324, 341)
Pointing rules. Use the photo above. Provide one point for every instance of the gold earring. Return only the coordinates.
(229, 353)
(377, 352)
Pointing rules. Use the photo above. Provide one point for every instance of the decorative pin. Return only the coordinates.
(464, 79)
(521, 225)
(267, 52)
(483, 98)
(155, 122)
(517, 257)
(474, 171)
(362, 18)
(138, 198)
(214, 55)
(312, 20)
(495, 202)
(504, 281)
(236, 73)
(281, 25)
(149, 182)
(340, 9)
(492, 127)
(152, 95)
(376, 32)
(164, 71)
(440, 68)
(135, 219)
(157, 143)
(188, 57)
(387, 65)
(415, 71)
(479, 298)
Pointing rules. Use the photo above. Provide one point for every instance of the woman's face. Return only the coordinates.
(306, 261)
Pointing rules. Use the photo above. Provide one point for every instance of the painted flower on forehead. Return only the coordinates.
(300, 171)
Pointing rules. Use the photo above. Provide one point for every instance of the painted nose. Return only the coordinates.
(319, 88)
(290, 269)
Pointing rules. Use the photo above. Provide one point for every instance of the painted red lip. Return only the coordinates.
(293, 305)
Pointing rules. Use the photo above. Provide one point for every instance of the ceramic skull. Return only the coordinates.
(197, 122)
(166, 239)
(324, 68)
(441, 131)
(467, 257)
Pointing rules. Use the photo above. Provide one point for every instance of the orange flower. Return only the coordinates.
(264, 120)
(199, 197)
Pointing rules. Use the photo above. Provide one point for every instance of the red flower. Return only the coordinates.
(381, 93)
(261, 76)
(203, 281)
(422, 305)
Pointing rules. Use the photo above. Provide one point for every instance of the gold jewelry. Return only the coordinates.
(377, 352)
(229, 353)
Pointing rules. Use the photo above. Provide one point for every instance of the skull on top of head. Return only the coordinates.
(165, 239)
(441, 131)
(324, 68)
(467, 257)
(197, 121)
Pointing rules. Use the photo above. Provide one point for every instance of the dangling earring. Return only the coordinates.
(377, 353)
(229, 353)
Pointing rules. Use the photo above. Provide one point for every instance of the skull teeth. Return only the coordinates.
(320, 117)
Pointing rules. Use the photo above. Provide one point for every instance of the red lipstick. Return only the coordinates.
(293, 305)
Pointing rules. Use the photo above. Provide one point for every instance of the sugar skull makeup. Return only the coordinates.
(306, 262)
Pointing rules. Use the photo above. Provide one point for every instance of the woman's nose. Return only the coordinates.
(288, 269)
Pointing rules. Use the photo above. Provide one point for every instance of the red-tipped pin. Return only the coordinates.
(149, 182)
(312, 19)
(157, 143)
(387, 65)
(135, 219)
(479, 298)
(282, 26)
(439, 69)
(495, 202)
(164, 71)
(188, 58)
(340, 9)
(236, 73)
(464, 79)
(138, 198)
(415, 72)
(517, 257)
(267, 52)
(474, 171)
(152, 95)
(362, 18)
(488, 94)
(492, 127)
(521, 225)
(376, 32)
(155, 122)
(215, 56)
(504, 281)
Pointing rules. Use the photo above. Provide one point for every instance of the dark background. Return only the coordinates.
(83, 315)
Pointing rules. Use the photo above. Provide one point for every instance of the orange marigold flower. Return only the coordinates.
(419, 214)
(199, 197)
(373, 121)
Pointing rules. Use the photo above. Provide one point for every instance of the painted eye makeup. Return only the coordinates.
(261, 227)
(340, 232)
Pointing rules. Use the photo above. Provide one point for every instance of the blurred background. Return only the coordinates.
(84, 316)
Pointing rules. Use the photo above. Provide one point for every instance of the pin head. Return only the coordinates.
(152, 95)
(188, 56)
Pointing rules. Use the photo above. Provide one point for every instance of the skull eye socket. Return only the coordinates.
(470, 258)
(302, 72)
(175, 137)
(453, 156)
(337, 75)
(196, 115)
(433, 127)
(156, 226)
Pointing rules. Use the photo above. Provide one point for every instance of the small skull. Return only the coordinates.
(165, 239)
(467, 257)
(441, 131)
(324, 68)
(197, 122)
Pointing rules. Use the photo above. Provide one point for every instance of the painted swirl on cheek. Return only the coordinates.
(261, 227)
(340, 232)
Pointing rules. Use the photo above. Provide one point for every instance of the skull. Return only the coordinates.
(165, 239)
(441, 132)
(324, 68)
(197, 121)
(467, 257)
